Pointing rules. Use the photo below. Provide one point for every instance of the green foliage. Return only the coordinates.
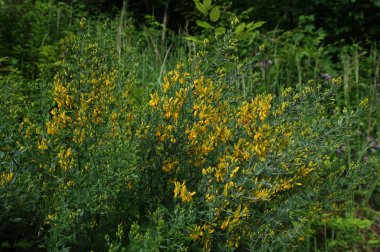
(342, 20)
(30, 33)
(112, 138)
(235, 176)
(222, 20)
(88, 143)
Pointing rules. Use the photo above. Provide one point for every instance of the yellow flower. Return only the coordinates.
(185, 195)
(69, 99)
(364, 103)
(177, 188)
(180, 66)
(6, 177)
(154, 100)
(225, 223)
(196, 233)
(108, 83)
(262, 194)
(79, 136)
(180, 191)
(181, 80)
(52, 128)
(169, 165)
(234, 171)
(65, 161)
(166, 84)
(64, 118)
(42, 145)
(209, 197)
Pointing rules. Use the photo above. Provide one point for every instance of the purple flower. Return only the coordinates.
(326, 76)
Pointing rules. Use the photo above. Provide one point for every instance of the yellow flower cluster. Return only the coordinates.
(229, 144)
(170, 165)
(171, 103)
(6, 177)
(65, 159)
(43, 145)
(204, 234)
(254, 111)
(180, 191)
(86, 111)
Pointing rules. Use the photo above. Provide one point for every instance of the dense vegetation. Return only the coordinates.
(189, 125)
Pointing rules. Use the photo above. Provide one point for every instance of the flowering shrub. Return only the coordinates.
(254, 170)
(194, 166)
(85, 147)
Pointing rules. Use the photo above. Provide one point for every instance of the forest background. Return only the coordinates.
(189, 125)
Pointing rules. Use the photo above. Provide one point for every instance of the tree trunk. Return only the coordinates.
(165, 21)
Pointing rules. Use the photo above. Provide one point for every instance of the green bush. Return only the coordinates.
(221, 155)
(256, 171)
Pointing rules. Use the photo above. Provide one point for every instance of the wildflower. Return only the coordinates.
(65, 161)
(42, 145)
(180, 191)
(209, 197)
(177, 188)
(83, 22)
(64, 118)
(6, 177)
(196, 233)
(166, 84)
(79, 136)
(52, 128)
(363, 103)
(154, 100)
(108, 83)
(227, 186)
(234, 171)
(336, 81)
(180, 66)
(326, 76)
(185, 195)
(225, 223)
(50, 218)
(262, 194)
(169, 165)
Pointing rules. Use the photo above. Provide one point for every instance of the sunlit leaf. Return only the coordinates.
(207, 4)
(194, 39)
(240, 28)
(220, 30)
(200, 7)
(244, 35)
(215, 14)
(254, 25)
(204, 24)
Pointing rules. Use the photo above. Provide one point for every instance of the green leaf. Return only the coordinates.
(5, 245)
(244, 35)
(240, 28)
(215, 14)
(360, 223)
(207, 4)
(297, 37)
(194, 39)
(3, 59)
(220, 30)
(200, 7)
(252, 25)
(204, 24)
(374, 243)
